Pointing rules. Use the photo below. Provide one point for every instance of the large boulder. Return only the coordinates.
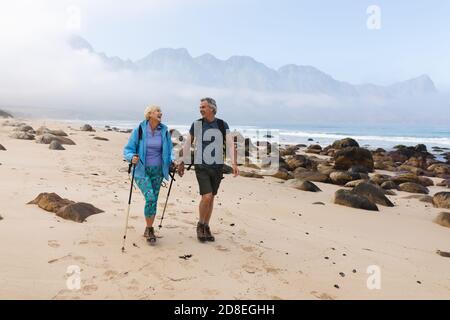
(443, 219)
(444, 183)
(346, 158)
(379, 179)
(344, 143)
(405, 177)
(289, 151)
(389, 185)
(22, 136)
(25, 128)
(354, 183)
(304, 185)
(426, 182)
(312, 176)
(42, 130)
(314, 148)
(87, 127)
(372, 192)
(342, 177)
(65, 208)
(350, 199)
(412, 187)
(2, 148)
(56, 145)
(47, 138)
(325, 168)
(77, 212)
(50, 202)
(284, 175)
(298, 161)
(442, 200)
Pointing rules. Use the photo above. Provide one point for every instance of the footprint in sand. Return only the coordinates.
(322, 296)
(222, 248)
(53, 243)
(110, 274)
(248, 249)
(89, 289)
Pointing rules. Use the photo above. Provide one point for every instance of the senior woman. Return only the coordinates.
(151, 152)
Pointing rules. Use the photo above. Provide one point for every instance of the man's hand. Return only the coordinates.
(135, 159)
(181, 169)
(235, 170)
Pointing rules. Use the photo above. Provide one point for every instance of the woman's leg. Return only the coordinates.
(147, 187)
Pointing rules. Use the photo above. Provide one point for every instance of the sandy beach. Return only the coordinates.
(272, 240)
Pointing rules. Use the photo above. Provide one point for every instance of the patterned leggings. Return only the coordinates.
(150, 185)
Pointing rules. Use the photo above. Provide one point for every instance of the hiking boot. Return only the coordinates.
(208, 235)
(201, 232)
(149, 234)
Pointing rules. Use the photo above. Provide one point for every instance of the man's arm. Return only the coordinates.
(186, 154)
(232, 153)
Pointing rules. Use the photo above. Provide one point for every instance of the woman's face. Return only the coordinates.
(156, 115)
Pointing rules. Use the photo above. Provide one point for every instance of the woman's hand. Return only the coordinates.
(135, 159)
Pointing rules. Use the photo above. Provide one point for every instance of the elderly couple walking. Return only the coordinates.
(150, 149)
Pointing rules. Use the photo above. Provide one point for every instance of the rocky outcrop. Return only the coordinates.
(442, 200)
(443, 219)
(47, 138)
(50, 202)
(22, 136)
(304, 185)
(56, 145)
(312, 176)
(372, 192)
(43, 130)
(343, 177)
(87, 127)
(65, 208)
(78, 212)
(344, 143)
(346, 158)
(412, 187)
(350, 199)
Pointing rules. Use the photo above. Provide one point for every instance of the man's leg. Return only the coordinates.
(210, 210)
(205, 207)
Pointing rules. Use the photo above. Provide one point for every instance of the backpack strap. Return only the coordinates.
(140, 134)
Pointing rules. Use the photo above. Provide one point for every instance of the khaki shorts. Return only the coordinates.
(208, 178)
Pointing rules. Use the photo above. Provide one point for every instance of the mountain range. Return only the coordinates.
(244, 72)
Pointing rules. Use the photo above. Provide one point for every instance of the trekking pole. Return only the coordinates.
(167, 199)
(129, 204)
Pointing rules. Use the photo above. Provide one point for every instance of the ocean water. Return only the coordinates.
(369, 136)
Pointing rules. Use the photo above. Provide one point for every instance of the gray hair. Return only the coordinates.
(211, 102)
(149, 110)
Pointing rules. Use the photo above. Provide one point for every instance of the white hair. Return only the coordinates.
(149, 110)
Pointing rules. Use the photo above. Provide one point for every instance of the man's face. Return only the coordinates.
(205, 109)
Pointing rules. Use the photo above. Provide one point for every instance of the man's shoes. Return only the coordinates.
(208, 235)
(201, 232)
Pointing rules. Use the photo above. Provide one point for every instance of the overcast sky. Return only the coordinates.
(37, 69)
